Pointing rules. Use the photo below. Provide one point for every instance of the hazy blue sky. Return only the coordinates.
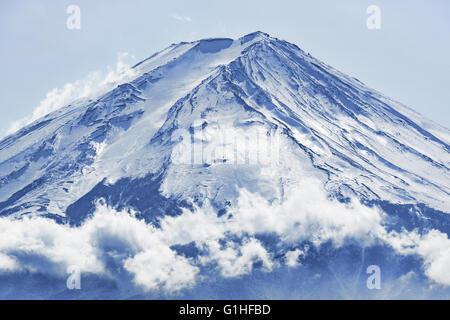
(408, 59)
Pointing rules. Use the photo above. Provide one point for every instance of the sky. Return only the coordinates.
(41, 59)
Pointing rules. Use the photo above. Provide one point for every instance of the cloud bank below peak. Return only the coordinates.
(187, 250)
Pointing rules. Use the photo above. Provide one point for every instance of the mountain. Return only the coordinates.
(202, 121)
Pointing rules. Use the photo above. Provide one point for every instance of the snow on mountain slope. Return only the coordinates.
(49, 168)
(327, 124)
(216, 157)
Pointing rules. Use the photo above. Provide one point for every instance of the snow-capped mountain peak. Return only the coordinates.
(319, 122)
(227, 158)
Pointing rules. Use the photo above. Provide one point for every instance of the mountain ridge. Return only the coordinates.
(232, 169)
(288, 88)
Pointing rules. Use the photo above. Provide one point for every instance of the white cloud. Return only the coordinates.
(8, 263)
(181, 18)
(41, 245)
(433, 247)
(59, 244)
(291, 257)
(307, 214)
(237, 259)
(160, 267)
(95, 83)
(227, 243)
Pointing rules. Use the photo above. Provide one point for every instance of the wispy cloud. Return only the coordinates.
(94, 83)
(181, 18)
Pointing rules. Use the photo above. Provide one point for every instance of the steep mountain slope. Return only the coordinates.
(126, 145)
(248, 162)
